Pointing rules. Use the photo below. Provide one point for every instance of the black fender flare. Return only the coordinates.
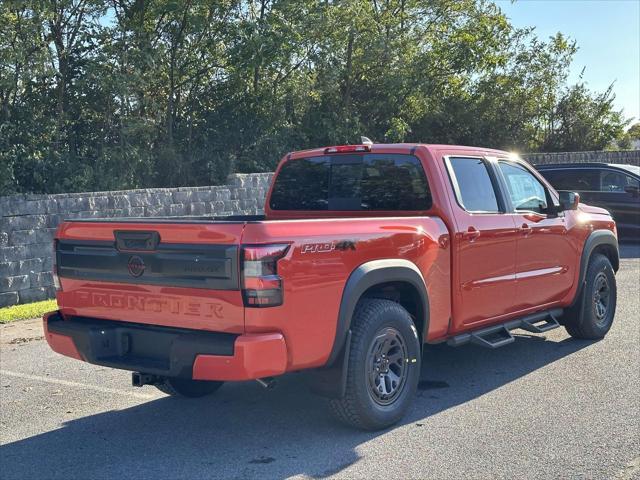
(368, 275)
(595, 239)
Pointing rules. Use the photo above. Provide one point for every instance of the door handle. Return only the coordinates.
(526, 230)
(471, 234)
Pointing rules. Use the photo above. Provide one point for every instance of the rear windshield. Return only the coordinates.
(374, 181)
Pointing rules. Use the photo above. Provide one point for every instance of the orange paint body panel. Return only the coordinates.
(170, 306)
(255, 356)
(61, 344)
(191, 233)
(314, 281)
(199, 309)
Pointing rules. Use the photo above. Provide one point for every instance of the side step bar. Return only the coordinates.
(500, 335)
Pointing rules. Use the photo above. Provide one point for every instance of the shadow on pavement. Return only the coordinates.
(246, 431)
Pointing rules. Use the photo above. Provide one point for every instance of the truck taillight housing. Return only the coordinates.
(261, 284)
(348, 149)
(56, 279)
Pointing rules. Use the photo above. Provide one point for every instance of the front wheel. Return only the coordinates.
(383, 366)
(592, 317)
(186, 387)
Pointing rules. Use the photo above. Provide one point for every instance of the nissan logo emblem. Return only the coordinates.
(135, 265)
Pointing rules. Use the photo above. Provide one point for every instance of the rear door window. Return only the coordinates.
(375, 181)
(472, 184)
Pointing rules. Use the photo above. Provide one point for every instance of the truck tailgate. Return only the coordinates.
(178, 274)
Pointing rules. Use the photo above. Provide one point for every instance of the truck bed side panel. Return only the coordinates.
(323, 255)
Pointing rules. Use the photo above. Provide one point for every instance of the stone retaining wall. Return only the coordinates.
(28, 222)
(631, 157)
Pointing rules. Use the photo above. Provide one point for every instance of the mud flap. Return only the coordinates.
(575, 309)
(331, 381)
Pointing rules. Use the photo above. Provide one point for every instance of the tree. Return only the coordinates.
(584, 121)
(110, 94)
(630, 139)
(634, 131)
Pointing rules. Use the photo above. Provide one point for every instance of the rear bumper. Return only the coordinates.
(165, 351)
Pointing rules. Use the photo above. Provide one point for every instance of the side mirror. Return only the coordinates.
(633, 190)
(568, 200)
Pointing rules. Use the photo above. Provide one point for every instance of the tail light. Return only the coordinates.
(56, 279)
(348, 149)
(261, 284)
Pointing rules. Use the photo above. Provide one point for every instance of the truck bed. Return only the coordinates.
(192, 278)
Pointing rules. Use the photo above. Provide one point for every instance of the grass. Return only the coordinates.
(29, 310)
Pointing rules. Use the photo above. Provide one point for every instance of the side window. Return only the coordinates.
(473, 185)
(573, 179)
(525, 190)
(616, 181)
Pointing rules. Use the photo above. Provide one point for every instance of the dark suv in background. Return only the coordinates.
(611, 186)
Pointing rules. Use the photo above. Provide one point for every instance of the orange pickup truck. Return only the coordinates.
(365, 254)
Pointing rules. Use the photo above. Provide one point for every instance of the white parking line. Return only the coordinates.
(57, 381)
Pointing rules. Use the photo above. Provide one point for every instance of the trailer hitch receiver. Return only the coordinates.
(140, 379)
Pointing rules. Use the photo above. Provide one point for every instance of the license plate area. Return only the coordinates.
(129, 346)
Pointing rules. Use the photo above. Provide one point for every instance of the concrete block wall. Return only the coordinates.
(629, 157)
(28, 223)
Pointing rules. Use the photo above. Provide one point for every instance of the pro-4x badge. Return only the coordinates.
(328, 246)
(346, 245)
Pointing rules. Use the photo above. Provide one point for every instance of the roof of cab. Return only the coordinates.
(381, 147)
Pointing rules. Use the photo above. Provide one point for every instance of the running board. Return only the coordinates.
(492, 338)
(541, 325)
(500, 335)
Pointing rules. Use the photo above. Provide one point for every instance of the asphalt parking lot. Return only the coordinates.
(543, 407)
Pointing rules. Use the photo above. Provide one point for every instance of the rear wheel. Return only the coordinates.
(383, 366)
(592, 317)
(186, 387)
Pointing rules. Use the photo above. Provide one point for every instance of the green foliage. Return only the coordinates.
(629, 139)
(27, 311)
(634, 131)
(107, 94)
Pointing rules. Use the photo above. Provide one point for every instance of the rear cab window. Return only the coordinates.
(352, 182)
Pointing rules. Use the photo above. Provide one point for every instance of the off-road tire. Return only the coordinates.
(375, 321)
(185, 387)
(586, 320)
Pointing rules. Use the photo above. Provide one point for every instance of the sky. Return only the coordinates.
(607, 33)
